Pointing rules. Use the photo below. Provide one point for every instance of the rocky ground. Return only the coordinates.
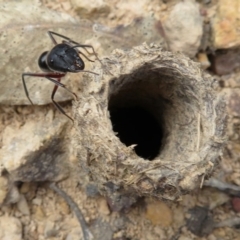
(207, 31)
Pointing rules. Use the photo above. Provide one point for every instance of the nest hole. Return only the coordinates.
(138, 113)
(135, 125)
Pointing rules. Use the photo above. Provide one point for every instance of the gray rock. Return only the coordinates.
(9, 193)
(101, 230)
(184, 28)
(91, 190)
(225, 61)
(200, 221)
(13, 195)
(36, 151)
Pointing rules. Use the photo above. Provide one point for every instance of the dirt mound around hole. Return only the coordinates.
(155, 127)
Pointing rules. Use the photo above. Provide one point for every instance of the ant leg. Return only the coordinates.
(62, 85)
(85, 56)
(75, 46)
(94, 53)
(79, 52)
(48, 76)
(71, 42)
(35, 75)
(84, 46)
(56, 104)
(84, 71)
(50, 33)
(25, 88)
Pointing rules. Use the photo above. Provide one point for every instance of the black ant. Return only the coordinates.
(57, 62)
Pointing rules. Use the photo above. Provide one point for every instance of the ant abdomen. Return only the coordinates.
(42, 63)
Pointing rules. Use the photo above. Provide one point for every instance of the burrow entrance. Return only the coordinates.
(135, 125)
(137, 109)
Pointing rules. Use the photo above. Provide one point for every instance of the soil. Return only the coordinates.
(51, 217)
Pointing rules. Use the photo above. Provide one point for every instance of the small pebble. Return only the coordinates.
(184, 238)
(224, 62)
(159, 213)
(13, 196)
(22, 205)
(75, 234)
(103, 206)
(220, 233)
(37, 201)
(217, 198)
(200, 221)
(64, 207)
(49, 230)
(203, 59)
(3, 188)
(236, 204)
(25, 188)
(184, 28)
(91, 190)
(55, 217)
(39, 214)
(66, 5)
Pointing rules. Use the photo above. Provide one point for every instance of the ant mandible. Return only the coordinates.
(57, 62)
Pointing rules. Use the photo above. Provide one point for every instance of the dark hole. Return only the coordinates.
(137, 126)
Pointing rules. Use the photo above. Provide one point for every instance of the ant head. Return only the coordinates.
(42, 62)
(63, 58)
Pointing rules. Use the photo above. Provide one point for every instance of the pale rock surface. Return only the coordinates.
(22, 205)
(225, 24)
(90, 8)
(159, 213)
(13, 195)
(184, 28)
(103, 207)
(10, 228)
(3, 188)
(35, 151)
